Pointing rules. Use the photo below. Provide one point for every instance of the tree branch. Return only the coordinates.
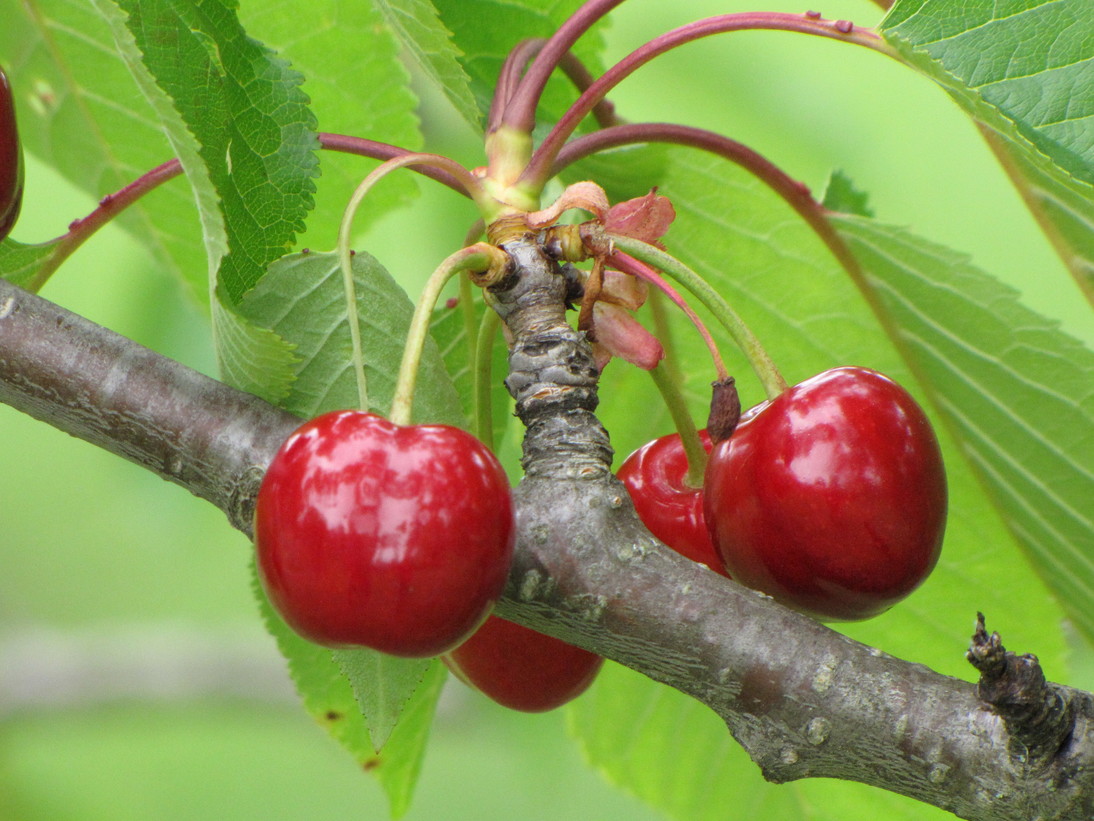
(802, 699)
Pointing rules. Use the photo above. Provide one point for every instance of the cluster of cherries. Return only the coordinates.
(830, 497)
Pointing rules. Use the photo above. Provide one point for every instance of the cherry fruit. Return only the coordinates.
(521, 668)
(373, 534)
(11, 161)
(671, 509)
(831, 497)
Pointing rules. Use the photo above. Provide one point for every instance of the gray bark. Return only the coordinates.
(802, 699)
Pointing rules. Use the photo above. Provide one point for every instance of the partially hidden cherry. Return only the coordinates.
(831, 497)
(373, 534)
(521, 668)
(671, 509)
(11, 160)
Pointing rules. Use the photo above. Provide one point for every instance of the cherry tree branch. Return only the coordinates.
(803, 700)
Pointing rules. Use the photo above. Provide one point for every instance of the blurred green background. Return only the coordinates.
(135, 679)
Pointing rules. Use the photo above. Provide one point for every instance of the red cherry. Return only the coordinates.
(831, 497)
(523, 669)
(11, 161)
(373, 534)
(671, 510)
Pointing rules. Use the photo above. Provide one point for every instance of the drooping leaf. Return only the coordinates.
(841, 195)
(449, 329)
(400, 762)
(336, 705)
(418, 25)
(244, 108)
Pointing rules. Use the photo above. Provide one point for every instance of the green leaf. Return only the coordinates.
(1017, 392)
(1063, 208)
(841, 195)
(245, 109)
(344, 42)
(751, 247)
(418, 25)
(485, 32)
(20, 263)
(331, 700)
(400, 763)
(382, 685)
(80, 113)
(1025, 62)
(302, 300)
(1025, 69)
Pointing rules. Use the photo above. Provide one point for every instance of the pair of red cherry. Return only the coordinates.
(831, 497)
(399, 538)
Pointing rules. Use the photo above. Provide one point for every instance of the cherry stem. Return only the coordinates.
(769, 376)
(483, 377)
(630, 265)
(795, 193)
(80, 230)
(515, 64)
(520, 110)
(538, 168)
(479, 257)
(685, 426)
(671, 389)
(345, 262)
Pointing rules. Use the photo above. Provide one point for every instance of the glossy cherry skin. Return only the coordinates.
(522, 669)
(831, 497)
(378, 535)
(672, 510)
(11, 161)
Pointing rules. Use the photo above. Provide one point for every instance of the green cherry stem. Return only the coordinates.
(483, 377)
(696, 454)
(769, 376)
(669, 382)
(345, 261)
(479, 257)
(520, 108)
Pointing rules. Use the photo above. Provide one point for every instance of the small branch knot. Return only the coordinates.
(1038, 715)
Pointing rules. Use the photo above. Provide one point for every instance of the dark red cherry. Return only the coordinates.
(523, 669)
(672, 510)
(11, 160)
(831, 497)
(378, 535)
